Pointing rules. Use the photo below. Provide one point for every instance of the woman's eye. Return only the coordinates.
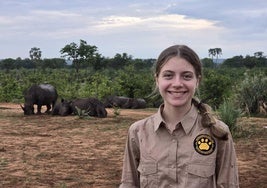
(167, 76)
(188, 76)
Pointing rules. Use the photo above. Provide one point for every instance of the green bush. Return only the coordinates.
(214, 88)
(250, 91)
(229, 114)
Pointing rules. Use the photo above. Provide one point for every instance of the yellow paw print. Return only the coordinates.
(204, 144)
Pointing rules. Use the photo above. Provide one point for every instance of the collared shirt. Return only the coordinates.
(188, 157)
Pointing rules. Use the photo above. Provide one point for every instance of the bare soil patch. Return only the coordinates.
(53, 151)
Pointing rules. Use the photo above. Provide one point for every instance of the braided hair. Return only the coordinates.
(208, 120)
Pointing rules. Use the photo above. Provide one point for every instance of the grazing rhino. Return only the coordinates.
(124, 102)
(92, 106)
(43, 94)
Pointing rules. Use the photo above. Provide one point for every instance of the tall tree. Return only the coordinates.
(215, 52)
(79, 54)
(212, 53)
(218, 52)
(35, 55)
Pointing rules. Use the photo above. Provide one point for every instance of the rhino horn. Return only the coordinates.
(22, 107)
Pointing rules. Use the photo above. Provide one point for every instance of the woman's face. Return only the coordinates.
(177, 82)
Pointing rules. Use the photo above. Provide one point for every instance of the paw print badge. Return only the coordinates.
(204, 144)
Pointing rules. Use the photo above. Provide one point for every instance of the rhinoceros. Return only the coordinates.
(124, 102)
(43, 94)
(92, 106)
(63, 108)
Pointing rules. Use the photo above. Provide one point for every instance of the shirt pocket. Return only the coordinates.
(200, 175)
(148, 174)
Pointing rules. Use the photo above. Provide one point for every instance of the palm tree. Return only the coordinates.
(218, 52)
(215, 52)
(212, 53)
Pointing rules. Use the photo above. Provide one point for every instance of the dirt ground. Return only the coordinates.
(52, 151)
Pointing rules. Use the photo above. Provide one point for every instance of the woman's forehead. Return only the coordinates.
(177, 63)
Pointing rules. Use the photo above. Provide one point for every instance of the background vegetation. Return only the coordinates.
(83, 72)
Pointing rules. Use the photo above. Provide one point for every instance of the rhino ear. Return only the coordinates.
(22, 107)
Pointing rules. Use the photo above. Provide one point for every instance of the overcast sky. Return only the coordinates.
(137, 27)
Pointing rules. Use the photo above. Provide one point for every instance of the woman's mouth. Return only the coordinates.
(177, 94)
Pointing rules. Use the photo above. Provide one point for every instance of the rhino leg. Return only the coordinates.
(39, 107)
(48, 107)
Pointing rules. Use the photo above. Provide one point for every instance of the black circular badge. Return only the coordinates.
(204, 144)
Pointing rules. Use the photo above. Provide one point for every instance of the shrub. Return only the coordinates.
(214, 88)
(229, 114)
(250, 92)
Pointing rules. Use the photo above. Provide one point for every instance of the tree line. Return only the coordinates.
(83, 55)
(92, 75)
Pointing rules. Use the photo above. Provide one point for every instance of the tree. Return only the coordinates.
(7, 64)
(207, 62)
(215, 52)
(214, 88)
(35, 55)
(120, 60)
(236, 61)
(54, 63)
(212, 53)
(250, 62)
(79, 54)
(258, 54)
(218, 53)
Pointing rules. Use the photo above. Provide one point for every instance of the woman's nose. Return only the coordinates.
(177, 82)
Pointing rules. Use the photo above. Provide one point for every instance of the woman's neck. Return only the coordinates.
(173, 115)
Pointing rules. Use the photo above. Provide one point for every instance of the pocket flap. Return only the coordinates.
(147, 168)
(201, 170)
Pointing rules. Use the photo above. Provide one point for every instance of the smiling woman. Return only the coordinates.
(182, 145)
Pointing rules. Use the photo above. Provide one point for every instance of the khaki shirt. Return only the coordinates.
(188, 157)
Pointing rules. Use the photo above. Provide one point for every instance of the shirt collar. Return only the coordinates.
(187, 122)
(189, 119)
(158, 118)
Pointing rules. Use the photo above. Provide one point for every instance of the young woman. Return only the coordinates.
(182, 145)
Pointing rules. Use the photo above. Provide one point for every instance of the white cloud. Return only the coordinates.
(139, 28)
(162, 22)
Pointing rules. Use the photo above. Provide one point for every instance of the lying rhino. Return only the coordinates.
(124, 102)
(92, 106)
(43, 94)
(63, 108)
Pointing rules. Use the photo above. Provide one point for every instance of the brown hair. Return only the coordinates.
(183, 51)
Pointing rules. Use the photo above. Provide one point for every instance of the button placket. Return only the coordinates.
(173, 158)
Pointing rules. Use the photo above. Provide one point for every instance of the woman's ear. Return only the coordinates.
(198, 81)
(156, 80)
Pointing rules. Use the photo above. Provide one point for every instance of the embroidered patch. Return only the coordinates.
(204, 144)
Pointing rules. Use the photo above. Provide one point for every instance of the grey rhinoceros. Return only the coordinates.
(91, 106)
(124, 102)
(43, 94)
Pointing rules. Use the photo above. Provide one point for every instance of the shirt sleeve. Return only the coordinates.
(226, 167)
(130, 174)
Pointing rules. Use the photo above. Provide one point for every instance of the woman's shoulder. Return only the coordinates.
(143, 123)
(220, 130)
(222, 125)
